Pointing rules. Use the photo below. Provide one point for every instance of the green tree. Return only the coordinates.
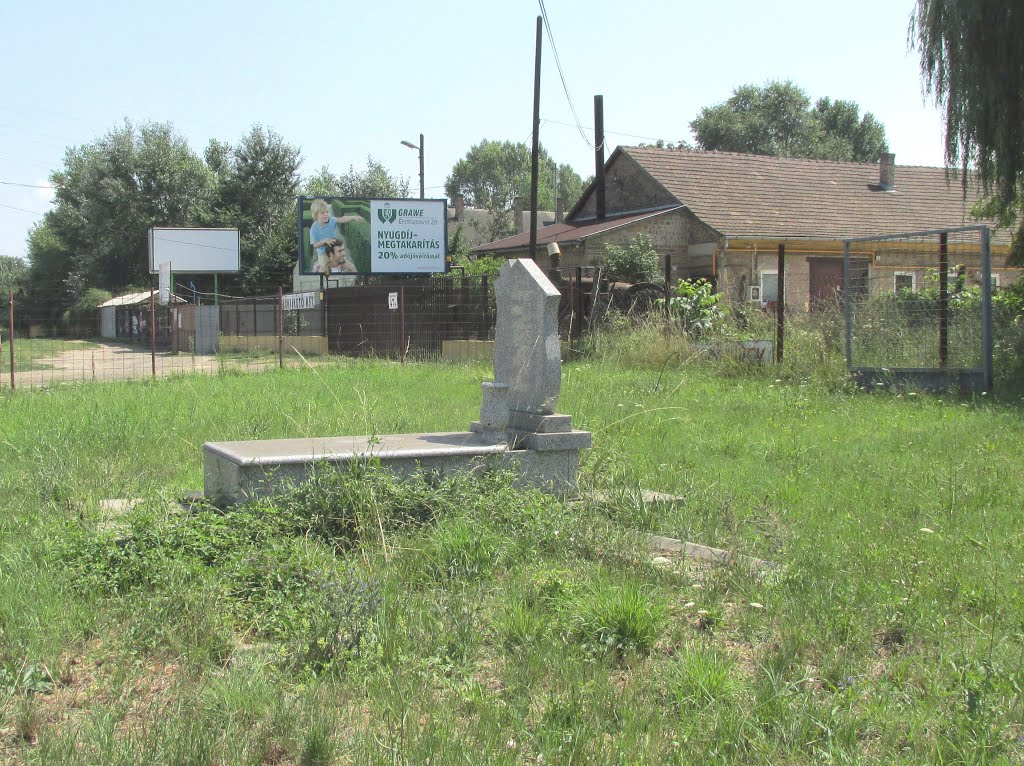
(779, 120)
(51, 288)
(972, 63)
(13, 274)
(111, 192)
(494, 173)
(257, 181)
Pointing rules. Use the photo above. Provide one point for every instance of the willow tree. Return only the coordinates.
(972, 63)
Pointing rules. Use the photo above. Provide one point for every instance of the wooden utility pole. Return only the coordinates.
(535, 157)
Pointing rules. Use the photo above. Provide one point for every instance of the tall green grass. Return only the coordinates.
(361, 620)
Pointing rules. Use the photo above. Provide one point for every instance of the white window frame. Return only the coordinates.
(760, 282)
(995, 282)
(913, 280)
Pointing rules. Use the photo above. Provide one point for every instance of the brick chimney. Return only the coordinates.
(517, 215)
(460, 206)
(560, 210)
(887, 171)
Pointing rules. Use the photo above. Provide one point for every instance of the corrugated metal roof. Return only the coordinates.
(134, 299)
(564, 233)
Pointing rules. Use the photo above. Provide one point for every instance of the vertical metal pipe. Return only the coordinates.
(780, 306)
(572, 312)
(848, 305)
(599, 180)
(280, 327)
(401, 320)
(986, 308)
(943, 300)
(579, 301)
(10, 331)
(668, 285)
(421, 168)
(535, 161)
(152, 329)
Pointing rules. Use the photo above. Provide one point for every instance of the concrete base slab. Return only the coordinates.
(234, 471)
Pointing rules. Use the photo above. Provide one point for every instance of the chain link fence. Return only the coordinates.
(133, 336)
(918, 309)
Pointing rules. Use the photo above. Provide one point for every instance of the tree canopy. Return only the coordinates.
(494, 173)
(972, 63)
(778, 119)
(376, 182)
(109, 193)
(13, 273)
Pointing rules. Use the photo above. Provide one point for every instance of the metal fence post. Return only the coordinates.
(280, 327)
(10, 331)
(780, 305)
(943, 300)
(152, 329)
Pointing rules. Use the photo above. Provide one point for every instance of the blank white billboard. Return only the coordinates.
(194, 251)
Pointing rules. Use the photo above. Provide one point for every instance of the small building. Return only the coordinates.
(127, 317)
(722, 216)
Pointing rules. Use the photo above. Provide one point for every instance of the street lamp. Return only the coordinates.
(419, 148)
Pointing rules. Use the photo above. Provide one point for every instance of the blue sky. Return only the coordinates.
(345, 80)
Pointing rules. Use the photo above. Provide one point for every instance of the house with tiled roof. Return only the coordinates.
(722, 216)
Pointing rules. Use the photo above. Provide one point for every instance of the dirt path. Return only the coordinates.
(116, 361)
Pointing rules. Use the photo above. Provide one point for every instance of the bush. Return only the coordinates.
(694, 306)
(636, 262)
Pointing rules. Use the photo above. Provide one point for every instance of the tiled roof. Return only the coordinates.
(752, 196)
(568, 232)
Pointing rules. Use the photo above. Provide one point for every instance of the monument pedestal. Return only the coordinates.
(235, 471)
(518, 427)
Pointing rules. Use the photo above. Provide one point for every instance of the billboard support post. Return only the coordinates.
(152, 329)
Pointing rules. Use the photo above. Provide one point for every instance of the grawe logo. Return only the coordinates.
(387, 214)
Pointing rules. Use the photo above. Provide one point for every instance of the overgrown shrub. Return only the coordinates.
(694, 306)
(636, 262)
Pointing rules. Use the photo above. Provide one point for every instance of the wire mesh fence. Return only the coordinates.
(133, 336)
(918, 309)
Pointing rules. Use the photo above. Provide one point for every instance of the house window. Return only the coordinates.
(995, 282)
(769, 281)
(904, 280)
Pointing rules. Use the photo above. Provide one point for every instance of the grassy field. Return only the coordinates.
(356, 620)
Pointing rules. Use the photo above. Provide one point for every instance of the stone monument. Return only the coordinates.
(518, 426)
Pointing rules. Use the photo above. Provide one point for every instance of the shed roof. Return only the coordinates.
(134, 299)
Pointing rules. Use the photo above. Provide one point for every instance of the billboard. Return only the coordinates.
(194, 251)
(343, 235)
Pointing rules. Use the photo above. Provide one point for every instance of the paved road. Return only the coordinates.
(117, 361)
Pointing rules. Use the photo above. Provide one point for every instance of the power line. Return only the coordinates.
(612, 132)
(26, 186)
(21, 209)
(561, 75)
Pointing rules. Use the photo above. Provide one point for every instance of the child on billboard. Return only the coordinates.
(324, 231)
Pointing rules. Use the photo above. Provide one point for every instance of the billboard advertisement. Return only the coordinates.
(194, 251)
(342, 235)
